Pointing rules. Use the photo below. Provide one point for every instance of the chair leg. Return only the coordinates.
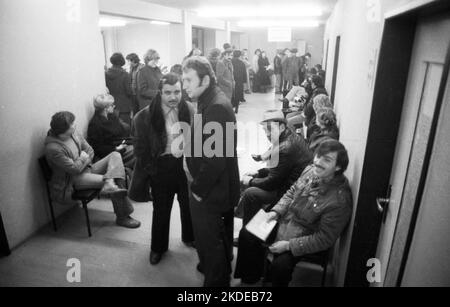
(52, 213)
(88, 223)
(324, 275)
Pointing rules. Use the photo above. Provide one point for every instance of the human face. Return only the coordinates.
(325, 167)
(171, 95)
(155, 60)
(197, 52)
(228, 56)
(193, 85)
(110, 109)
(68, 134)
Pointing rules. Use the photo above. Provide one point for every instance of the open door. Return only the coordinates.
(4, 246)
(426, 73)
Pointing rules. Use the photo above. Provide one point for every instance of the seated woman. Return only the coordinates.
(70, 157)
(327, 124)
(107, 132)
(311, 216)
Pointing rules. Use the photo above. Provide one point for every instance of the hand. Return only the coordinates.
(279, 247)
(84, 155)
(272, 216)
(257, 158)
(251, 174)
(246, 180)
(197, 198)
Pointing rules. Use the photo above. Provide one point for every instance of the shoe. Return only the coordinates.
(236, 242)
(128, 222)
(199, 268)
(113, 190)
(190, 244)
(155, 258)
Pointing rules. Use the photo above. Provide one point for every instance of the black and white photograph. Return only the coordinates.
(239, 146)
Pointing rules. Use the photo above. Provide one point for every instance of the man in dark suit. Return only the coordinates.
(213, 172)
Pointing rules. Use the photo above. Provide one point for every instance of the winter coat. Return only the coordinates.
(148, 79)
(150, 140)
(313, 215)
(215, 179)
(118, 82)
(105, 134)
(65, 165)
(293, 157)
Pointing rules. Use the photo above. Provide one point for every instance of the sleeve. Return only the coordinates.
(332, 222)
(58, 157)
(211, 168)
(140, 141)
(127, 84)
(143, 85)
(221, 78)
(277, 175)
(283, 204)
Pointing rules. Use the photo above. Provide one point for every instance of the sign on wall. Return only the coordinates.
(280, 34)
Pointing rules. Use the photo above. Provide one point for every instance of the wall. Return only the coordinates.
(45, 69)
(140, 9)
(258, 38)
(138, 38)
(360, 25)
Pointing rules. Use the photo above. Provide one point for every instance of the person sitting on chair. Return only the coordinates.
(70, 158)
(108, 133)
(326, 122)
(311, 216)
(286, 160)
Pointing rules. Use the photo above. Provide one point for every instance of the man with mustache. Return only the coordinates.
(311, 216)
(159, 162)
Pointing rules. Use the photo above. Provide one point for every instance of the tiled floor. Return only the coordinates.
(115, 256)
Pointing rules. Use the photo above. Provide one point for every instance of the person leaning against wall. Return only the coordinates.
(311, 216)
(70, 158)
(107, 133)
(148, 79)
(118, 82)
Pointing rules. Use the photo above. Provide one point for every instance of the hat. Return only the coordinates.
(273, 116)
(103, 101)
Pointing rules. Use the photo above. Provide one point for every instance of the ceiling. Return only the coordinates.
(192, 5)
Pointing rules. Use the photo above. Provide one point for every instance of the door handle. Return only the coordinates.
(382, 204)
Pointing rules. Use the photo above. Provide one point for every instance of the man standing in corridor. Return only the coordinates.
(214, 177)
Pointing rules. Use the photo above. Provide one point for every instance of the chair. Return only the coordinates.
(320, 258)
(84, 196)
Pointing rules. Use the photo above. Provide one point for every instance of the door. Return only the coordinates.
(335, 68)
(426, 72)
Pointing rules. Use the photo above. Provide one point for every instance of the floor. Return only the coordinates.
(115, 256)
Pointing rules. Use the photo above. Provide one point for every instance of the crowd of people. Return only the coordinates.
(135, 133)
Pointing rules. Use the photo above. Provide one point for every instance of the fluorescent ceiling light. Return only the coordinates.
(278, 23)
(161, 23)
(111, 22)
(261, 11)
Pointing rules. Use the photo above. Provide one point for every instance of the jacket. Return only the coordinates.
(148, 79)
(293, 157)
(313, 216)
(149, 140)
(216, 178)
(224, 75)
(118, 82)
(105, 134)
(65, 165)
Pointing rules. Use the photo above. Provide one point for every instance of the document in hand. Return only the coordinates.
(260, 227)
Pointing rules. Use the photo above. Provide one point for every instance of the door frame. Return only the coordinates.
(393, 68)
(4, 245)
